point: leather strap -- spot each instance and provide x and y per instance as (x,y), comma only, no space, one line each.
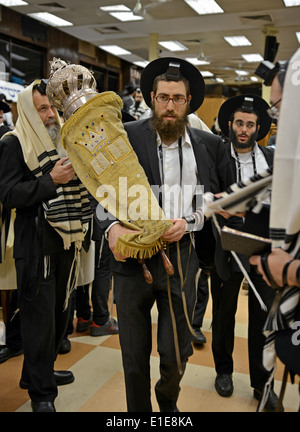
(284,272)
(264,264)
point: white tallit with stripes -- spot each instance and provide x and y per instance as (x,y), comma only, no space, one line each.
(285,207)
(70,212)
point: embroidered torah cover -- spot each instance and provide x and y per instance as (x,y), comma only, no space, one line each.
(102,156)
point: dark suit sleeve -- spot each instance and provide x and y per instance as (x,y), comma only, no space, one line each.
(18,187)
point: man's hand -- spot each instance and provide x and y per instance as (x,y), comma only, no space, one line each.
(62,172)
(176,231)
(113,234)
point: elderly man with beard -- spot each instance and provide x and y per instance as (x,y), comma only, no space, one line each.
(171,154)
(37,180)
(245,120)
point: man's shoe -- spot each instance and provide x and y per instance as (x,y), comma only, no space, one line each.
(272,400)
(199,339)
(7,353)
(224,385)
(109,328)
(65,346)
(43,407)
(61,378)
(83,324)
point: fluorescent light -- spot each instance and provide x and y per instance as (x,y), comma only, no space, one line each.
(253,78)
(142,64)
(289,3)
(219,80)
(241,72)
(206,74)
(173,46)
(195,61)
(10,3)
(252,57)
(50,19)
(204,7)
(114,49)
(298,36)
(115,8)
(237,41)
(126,16)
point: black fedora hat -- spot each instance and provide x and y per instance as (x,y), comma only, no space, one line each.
(172,65)
(4,107)
(245,101)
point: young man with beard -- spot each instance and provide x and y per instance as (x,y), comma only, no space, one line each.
(171,154)
(48,233)
(244,119)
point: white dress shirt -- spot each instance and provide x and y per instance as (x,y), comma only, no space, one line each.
(177,198)
(246,163)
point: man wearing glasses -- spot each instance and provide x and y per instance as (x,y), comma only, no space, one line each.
(245,120)
(172,154)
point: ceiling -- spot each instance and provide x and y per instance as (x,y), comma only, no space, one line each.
(203,35)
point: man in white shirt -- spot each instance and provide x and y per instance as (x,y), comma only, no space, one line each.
(176,160)
(245,120)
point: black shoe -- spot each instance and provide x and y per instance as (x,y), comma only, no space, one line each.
(61,378)
(83,324)
(7,353)
(43,407)
(65,346)
(199,339)
(272,400)
(224,385)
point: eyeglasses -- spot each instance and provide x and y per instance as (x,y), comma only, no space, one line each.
(177,100)
(273,112)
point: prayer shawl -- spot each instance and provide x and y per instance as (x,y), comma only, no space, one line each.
(285,208)
(103,158)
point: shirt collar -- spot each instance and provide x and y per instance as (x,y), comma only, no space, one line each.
(255,148)
(185,140)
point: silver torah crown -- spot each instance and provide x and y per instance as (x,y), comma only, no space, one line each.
(69,86)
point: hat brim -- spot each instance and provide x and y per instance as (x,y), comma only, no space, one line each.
(236,102)
(126,117)
(4,107)
(189,71)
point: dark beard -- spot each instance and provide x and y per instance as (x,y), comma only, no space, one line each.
(248,144)
(169,129)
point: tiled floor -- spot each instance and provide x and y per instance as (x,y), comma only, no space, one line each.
(99,386)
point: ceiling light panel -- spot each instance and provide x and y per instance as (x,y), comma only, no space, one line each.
(173,46)
(206,74)
(115,8)
(196,62)
(50,19)
(10,3)
(204,7)
(115,49)
(237,41)
(252,58)
(125,16)
(289,3)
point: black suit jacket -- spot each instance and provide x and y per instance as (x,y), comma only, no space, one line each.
(212,161)
(253,223)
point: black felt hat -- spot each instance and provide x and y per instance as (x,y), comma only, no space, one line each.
(4,106)
(245,101)
(174,67)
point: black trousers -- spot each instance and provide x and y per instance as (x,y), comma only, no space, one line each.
(225,298)
(100,290)
(135,299)
(43,324)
